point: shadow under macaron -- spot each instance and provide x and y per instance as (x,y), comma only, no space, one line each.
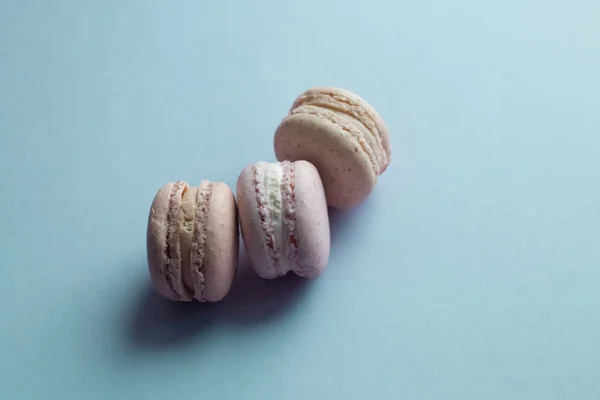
(157,323)
(254,300)
(346,225)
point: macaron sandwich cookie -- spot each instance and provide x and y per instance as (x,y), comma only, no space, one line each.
(331,147)
(283,217)
(343,136)
(192,241)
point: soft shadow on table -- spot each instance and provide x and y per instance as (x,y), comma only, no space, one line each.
(156,322)
(346,223)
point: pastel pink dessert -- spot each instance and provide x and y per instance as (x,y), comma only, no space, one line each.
(283,216)
(343,136)
(192,241)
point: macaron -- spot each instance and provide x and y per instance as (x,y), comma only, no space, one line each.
(343,136)
(192,241)
(283,217)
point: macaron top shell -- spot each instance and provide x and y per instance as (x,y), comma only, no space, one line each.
(283,216)
(192,241)
(356,110)
(343,136)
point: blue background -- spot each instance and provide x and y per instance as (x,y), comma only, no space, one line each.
(472,272)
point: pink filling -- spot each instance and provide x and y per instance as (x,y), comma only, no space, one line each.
(172,251)
(199,239)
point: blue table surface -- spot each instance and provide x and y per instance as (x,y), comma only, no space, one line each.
(472,271)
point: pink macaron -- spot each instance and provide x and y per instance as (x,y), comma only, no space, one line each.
(283,216)
(343,136)
(192,241)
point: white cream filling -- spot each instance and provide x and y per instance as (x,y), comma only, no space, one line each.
(273,179)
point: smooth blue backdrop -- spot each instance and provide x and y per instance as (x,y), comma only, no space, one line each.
(472,272)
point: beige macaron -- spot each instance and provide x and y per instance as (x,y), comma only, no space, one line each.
(340,134)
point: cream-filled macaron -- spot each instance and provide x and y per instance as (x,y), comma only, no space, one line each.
(343,136)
